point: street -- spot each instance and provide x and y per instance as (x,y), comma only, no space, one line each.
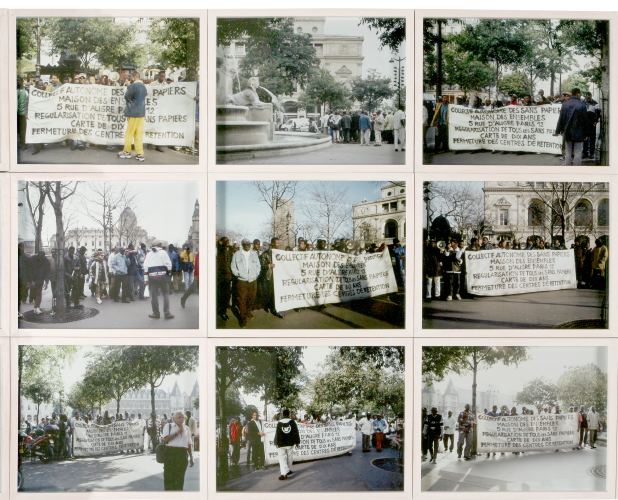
(337,154)
(567,470)
(107,473)
(56,153)
(384,311)
(485,157)
(529,310)
(356,472)
(119,315)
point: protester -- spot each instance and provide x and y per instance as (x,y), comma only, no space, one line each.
(121,272)
(255,441)
(235,433)
(195,284)
(224,277)
(39,276)
(433,429)
(157,267)
(593,115)
(135,111)
(593,425)
(573,126)
(466,433)
(98,275)
(582,420)
(187,265)
(266,274)
(245,267)
(177,436)
(365,426)
(364,125)
(378,127)
(599,262)
(399,123)
(286,437)
(450,424)
(440,120)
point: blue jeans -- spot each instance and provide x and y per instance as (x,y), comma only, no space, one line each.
(187,278)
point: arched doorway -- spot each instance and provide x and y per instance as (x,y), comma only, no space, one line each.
(390,229)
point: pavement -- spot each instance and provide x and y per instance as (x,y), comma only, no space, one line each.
(383,311)
(119,315)
(337,154)
(56,153)
(485,157)
(529,310)
(109,473)
(344,473)
(567,470)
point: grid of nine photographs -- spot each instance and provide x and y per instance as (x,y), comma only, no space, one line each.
(102,191)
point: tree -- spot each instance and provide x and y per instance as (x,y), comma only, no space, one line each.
(371,91)
(461,204)
(513,84)
(39,390)
(538,392)
(461,68)
(583,385)
(559,59)
(36,195)
(234,28)
(576,80)
(280,57)
(180,39)
(95,389)
(380,356)
(327,207)
(26,37)
(81,399)
(279,196)
(57,193)
(322,89)
(391,31)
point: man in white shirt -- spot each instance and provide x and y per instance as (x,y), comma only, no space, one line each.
(142,424)
(450,424)
(111,272)
(365,425)
(593,426)
(380,428)
(177,436)
(399,119)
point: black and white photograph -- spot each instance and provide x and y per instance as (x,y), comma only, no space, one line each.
(310,254)
(108,90)
(95,418)
(310,90)
(515,91)
(515,255)
(310,418)
(516,419)
(108,254)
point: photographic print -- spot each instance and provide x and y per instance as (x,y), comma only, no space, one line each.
(91,417)
(515,418)
(311,254)
(91,90)
(293,418)
(515,255)
(311,90)
(108,254)
(520,91)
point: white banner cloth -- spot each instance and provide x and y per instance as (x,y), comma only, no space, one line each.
(306,279)
(526,432)
(95,114)
(512,128)
(508,272)
(90,440)
(316,440)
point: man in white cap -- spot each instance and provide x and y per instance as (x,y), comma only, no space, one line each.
(157,269)
(246,267)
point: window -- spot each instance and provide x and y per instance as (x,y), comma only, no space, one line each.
(319,49)
(403,204)
(504,216)
(393,206)
(390,229)
(299,30)
(402,191)
(384,207)
(583,214)
(603,213)
(314,30)
(536,213)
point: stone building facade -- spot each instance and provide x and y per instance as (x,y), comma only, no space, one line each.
(380,221)
(455,399)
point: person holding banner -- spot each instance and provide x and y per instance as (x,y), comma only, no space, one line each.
(135,111)
(466,432)
(246,267)
(440,120)
(177,436)
(286,437)
(379,427)
(365,425)
(266,275)
(573,126)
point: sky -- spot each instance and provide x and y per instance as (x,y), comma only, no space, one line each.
(437,204)
(163,208)
(545,362)
(249,216)
(374,57)
(75,372)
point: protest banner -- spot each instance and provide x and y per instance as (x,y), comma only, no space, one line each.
(91,440)
(316,440)
(512,128)
(95,114)
(509,272)
(526,432)
(306,279)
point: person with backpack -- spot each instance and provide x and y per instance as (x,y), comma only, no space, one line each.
(286,437)
(177,436)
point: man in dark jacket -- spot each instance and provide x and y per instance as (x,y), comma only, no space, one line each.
(39,277)
(346,124)
(266,277)
(135,111)
(433,429)
(83,271)
(573,126)
(432,269)
(593,115)
(71,274)
(255,434)
(355,127)
(286,437)
(224,277)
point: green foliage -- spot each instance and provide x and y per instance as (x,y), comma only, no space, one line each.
(538,392)
(461,68)
(26,37)
(234,28)
(391,31)
(180,39)
(371,91)
(40,390)
(380,356)
(583,385)
(36,361)
(576,80)
(82,398)
(514,83)
(249,410)
(322,88)
(196,403)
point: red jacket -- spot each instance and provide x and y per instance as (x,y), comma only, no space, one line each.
(196,274)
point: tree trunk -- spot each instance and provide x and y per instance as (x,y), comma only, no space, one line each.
(474,370)
(153,416)
(604,29)
(60,292)
(552,81)
(439,62)
(224,444)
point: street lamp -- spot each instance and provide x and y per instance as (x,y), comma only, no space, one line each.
(398,61)
(287,228)
(37,28)
(427,200)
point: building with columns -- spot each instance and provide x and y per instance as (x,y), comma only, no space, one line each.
(455,399)
(380,221)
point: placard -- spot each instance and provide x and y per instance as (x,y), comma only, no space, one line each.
(91,440)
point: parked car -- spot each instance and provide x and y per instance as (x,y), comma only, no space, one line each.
(296,125)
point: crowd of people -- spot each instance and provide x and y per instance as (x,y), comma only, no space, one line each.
(577,123)
(245,273)
(439,431)
(446,265)
(362,127)
(123,274)
(135,108)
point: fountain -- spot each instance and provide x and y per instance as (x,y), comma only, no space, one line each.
(245,125)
